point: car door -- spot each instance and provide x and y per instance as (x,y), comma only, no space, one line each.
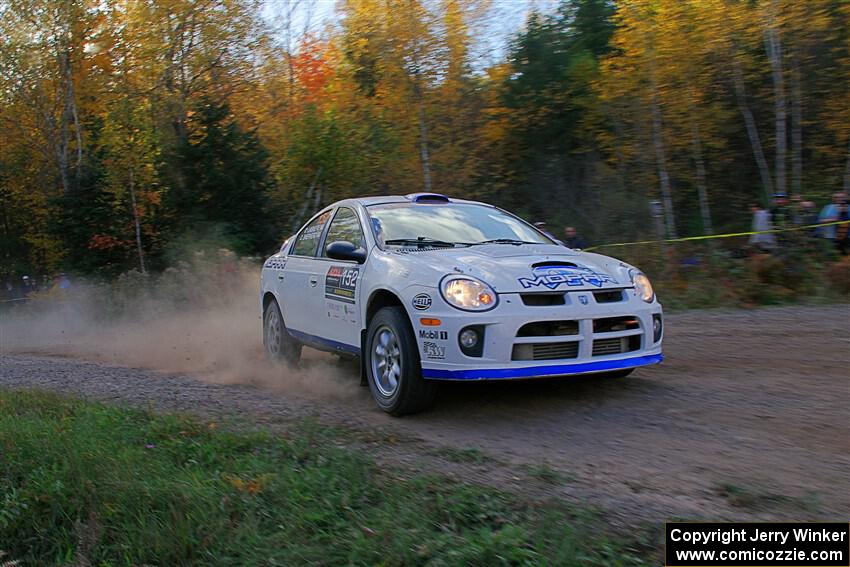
(341,305)
(301,290)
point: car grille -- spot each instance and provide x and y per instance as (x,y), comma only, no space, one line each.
(542,299)
(605,347)
(608,335)
(608,296)
(548,329)
(601,347)
(545,351)
(549,299)
(614,324)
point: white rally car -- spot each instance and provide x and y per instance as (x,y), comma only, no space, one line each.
(424,288)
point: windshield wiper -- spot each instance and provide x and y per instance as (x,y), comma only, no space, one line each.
(506,241)
(423,241)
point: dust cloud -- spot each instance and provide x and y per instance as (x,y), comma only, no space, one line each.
(201,317)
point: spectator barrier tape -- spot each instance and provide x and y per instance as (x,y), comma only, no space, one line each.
(713,236)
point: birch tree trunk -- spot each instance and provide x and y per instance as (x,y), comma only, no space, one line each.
(796,130)
(847,170)
(302,212)
(71,103)
(752,130)
(661,162)
(773,45)
(137,221)
(702,192)
(63,144)
(423,147)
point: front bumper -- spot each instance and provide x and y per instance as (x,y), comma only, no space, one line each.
(512,351)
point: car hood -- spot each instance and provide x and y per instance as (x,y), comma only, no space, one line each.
(512,268)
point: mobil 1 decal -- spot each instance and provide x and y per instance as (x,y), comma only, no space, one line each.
(434,343)
(341,283)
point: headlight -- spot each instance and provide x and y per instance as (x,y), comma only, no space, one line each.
(468,294)
(642,286)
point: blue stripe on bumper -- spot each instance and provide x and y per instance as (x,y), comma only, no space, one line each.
(541,371)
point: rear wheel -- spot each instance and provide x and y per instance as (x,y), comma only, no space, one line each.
(393,366)
(280,345)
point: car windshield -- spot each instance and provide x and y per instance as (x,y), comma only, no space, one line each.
(405,224)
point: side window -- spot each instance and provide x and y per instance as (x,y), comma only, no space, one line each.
(308,241)
(345,226)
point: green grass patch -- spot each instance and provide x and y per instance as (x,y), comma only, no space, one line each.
(85,482)
(547,473)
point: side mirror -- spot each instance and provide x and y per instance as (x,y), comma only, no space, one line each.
(343,250)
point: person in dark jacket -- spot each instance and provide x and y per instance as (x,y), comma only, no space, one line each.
(842,231)
(572,239)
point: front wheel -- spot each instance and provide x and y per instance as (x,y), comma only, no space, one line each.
(280,345)
(392,364)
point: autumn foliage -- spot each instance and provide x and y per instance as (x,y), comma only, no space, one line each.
(130,125)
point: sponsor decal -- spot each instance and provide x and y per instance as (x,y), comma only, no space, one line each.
(583,299)
(433,335)
(341,311)
(274,263)
(572,276)
(434,351)
(422,302)
(341,283)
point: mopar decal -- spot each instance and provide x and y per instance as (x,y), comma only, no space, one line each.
(341,283)
(422,302)
(554,277)
(434,351)
(434,335)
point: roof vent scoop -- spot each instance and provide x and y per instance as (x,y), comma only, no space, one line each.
(428,198)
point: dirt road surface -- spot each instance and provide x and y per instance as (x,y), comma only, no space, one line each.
(748,418)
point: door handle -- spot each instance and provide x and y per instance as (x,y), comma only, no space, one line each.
(280,277)
(314,280)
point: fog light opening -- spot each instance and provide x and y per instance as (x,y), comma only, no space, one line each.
(657,327)
(471,341)
(468,338)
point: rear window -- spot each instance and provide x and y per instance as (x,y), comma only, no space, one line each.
(308,241)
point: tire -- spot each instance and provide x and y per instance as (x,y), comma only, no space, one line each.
(616,373)
(393,368)
(279,344)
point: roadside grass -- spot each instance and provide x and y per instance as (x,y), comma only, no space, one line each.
(83,483)
(700,275)
(548,474)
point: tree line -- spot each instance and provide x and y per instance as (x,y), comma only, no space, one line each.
(133,127)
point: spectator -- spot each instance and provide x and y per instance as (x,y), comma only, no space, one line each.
(61,282)
(796,207)
(572,239)
(761,223)
(27,285)
(541,226)
(830,214)
(781,215)
(809,216)
(842,231)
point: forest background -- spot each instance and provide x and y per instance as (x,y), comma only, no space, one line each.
(131,128)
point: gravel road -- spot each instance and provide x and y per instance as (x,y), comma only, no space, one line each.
(748,418)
